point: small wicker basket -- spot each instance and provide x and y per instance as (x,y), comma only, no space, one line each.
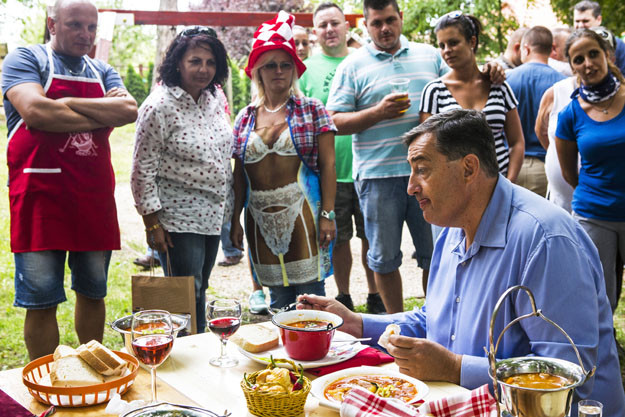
(269,404)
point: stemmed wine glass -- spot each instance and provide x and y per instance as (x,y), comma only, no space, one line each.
(152,339)
(224,318)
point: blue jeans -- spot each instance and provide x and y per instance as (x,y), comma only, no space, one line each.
(282,296)
(39,276)
(193,254)
(226,244)
(385,206)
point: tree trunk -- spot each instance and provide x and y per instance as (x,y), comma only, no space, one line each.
(164,36)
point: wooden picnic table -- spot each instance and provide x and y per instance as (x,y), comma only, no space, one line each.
(186,377)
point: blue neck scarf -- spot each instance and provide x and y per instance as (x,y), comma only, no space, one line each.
(603,91)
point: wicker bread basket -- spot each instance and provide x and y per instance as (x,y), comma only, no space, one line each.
(76,396)
(269,404)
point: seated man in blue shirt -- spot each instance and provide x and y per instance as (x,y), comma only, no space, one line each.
(496,235)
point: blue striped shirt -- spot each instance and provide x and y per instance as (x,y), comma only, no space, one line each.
(361,81)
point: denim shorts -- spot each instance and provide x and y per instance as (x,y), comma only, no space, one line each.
(385,206)
(39,276)
(346,205)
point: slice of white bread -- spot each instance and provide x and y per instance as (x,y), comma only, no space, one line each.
(63,350)
(101,358)
(72,371)
(255,338)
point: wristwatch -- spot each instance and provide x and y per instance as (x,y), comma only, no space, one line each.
(330,215)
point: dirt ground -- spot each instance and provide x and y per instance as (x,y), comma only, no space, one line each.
(235,281)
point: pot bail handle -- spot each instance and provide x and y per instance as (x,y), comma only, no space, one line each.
(492,351)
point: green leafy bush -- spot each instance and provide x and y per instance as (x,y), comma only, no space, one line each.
(135,85)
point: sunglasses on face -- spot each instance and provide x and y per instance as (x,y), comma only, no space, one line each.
(272,66)
(198,30)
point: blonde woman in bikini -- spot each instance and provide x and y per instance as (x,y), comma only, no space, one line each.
(284,172)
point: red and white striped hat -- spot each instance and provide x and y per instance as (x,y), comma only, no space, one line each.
(276,33)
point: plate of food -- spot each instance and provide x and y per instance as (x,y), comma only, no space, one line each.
(332,388)
(259,342)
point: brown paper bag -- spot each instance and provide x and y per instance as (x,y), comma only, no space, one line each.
(173,294)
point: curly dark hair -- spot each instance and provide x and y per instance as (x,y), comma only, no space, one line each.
(168,71)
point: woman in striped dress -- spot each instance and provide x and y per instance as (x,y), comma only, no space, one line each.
(465,87)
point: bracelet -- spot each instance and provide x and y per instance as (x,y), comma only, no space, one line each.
(153,227)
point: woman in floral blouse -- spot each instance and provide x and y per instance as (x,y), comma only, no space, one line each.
(181,172)
(284,144)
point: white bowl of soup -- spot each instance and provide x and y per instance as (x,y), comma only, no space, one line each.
(307,334)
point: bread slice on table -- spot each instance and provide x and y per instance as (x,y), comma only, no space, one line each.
(255,338)
(101,358)
(72,371)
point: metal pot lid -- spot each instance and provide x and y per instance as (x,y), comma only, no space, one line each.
(173,410)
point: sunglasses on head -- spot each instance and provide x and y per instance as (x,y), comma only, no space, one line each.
(272,66)
(606,35)
(448,16)
(453,15)
(199,30)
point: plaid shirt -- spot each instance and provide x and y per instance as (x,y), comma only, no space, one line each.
(307,119)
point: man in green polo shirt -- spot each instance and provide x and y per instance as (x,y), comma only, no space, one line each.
(331,28)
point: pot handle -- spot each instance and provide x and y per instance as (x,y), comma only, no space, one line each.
(535,313)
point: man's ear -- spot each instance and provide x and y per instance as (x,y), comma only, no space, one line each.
(50,24)
(470,167)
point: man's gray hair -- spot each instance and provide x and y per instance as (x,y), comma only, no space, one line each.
(459,133)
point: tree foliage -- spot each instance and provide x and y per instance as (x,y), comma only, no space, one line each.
(135,85)
(240,88)
(238,39)
(612,12)
(33,23)
(420,20)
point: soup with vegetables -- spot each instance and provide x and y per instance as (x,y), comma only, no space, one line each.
(538,380)
(381,385)
(309,324)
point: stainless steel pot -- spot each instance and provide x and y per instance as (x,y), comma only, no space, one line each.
(122,326)
(532,402)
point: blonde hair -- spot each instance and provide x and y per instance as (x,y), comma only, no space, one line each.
(256,79)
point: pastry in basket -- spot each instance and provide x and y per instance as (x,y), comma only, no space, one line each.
(90,364)
(276,391)
(255,338)
(391,329)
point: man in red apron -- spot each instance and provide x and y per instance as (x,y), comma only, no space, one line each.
(61,107)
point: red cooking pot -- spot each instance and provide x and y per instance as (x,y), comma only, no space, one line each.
(309,343)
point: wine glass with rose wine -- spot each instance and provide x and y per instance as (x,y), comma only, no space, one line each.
(152,339)
(224,318)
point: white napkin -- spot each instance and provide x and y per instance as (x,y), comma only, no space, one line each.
(120,407)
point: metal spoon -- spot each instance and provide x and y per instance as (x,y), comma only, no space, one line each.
(352,341)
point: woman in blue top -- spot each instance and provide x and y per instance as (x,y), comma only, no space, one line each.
(593,124)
